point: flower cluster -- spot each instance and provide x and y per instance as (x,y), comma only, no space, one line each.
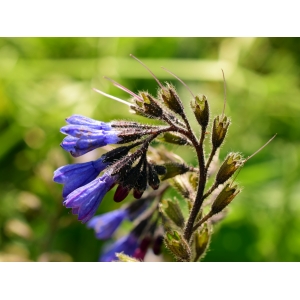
(83,190)
(135,166)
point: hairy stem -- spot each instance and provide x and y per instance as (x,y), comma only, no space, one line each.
(204,219)
(212,154)
(201,185)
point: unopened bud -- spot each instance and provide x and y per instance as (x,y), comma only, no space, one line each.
(178,246)
(173,211)
(115,154)
(201,242)
(174,138)
(157,244)
(224,198)
(219,130)
(121,193)
(161,170)
(201,110)
(141,251)
(174,169)
(171,99)
(153,178)
(231,163)
(182,185)
(141,182)
(151,107)
(130,179)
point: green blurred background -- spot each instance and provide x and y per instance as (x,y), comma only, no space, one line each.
(44,80)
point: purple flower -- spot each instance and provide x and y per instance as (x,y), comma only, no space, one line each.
(85,134)
(82,120)
(127,244)
(85,200)
(105,225)
(77,175)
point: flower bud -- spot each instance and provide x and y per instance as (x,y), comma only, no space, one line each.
(151,107)
(130,179)
(178,246)
(171,99)
(141,182)
(173,211)
(201,242)
(115,154)
(231,163)
(201,110)
(161,170)
(224,198)
(141,251)
(157,243)
(174,138)
(174,169)
(153,178)
(182,185)
(121,193)
(219,130)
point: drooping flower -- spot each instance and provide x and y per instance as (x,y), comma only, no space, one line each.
(82,120)
(105,225)
(76,175)
(127,244)
(85,200)
(142,249)
(85,134)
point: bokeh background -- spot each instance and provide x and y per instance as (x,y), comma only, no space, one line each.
(44,80)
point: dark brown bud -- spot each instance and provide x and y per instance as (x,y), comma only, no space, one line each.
(157,244)
(115,154)
(151,107)
(161,170)
(153,178)
(141,182)
(121,193)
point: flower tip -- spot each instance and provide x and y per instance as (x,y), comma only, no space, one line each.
(56,178)
(138,194)
(74,154)
(121,193)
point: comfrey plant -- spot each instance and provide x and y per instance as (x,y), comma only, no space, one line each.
(137,167)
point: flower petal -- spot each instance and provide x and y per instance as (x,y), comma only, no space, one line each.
(105,225)
(88,197)
(127,244)
(77,175)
